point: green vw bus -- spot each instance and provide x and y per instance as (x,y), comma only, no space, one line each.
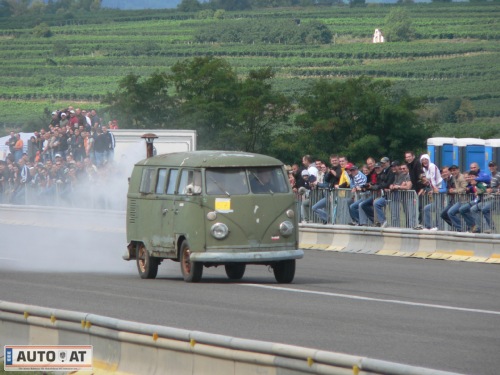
(212,208)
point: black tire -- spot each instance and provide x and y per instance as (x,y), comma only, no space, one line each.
(284,271)
(235,271)
(146,264)
(191,271)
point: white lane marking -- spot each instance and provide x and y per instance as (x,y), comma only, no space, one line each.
(351,296)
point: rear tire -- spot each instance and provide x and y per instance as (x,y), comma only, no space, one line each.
(146,264)
(191,271)
(284,271)
(235,271)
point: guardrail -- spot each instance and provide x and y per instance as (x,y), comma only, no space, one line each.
(139,348)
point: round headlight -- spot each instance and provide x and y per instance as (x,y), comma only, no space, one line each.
(212,215)
(286,228)
(219,231)
(290,214)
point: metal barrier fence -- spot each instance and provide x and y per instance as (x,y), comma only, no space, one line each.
(402,209)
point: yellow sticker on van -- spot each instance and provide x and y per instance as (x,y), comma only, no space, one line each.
(223,205)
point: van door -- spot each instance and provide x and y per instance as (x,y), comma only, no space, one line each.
(188,211)
(156,223)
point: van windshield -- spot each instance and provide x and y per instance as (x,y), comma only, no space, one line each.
(240,181)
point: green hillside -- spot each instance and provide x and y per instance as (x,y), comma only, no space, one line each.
(455,52)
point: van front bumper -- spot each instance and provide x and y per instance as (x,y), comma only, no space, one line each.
(246,257)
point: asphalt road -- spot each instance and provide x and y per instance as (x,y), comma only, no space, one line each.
(438,314)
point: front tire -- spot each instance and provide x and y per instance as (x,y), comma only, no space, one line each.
(284,271)
(146,264)
(235,271)
(191,271)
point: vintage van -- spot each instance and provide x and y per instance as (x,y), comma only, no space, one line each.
(212,208)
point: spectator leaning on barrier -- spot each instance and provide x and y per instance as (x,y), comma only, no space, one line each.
(372,172)
(386,178)
(345,177)
(478,182)
(435,201)
(455,185)
(402,184)
(330,179)
(305,186)
(307,161)
(414,169)
(366,212)
(483,208)
(358,182)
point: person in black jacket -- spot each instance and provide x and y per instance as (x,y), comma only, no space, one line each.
(386,179)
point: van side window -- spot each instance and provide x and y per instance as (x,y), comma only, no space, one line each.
(172,179)
(162,178)
(148,175)
(190,183)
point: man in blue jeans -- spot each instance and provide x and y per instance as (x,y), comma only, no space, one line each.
(359,181)
(475,177)
(455,185)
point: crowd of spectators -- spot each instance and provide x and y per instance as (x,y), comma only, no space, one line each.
(63,163)
(464,201)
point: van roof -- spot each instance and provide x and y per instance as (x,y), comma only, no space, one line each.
(199,159)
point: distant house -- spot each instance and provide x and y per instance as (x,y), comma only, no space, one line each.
(378,37)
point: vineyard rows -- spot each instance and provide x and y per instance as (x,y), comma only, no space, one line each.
(456,53)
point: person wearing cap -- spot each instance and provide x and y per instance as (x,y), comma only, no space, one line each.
(73,119)
(358,183)
(455,189)
(64,120)
(54,121)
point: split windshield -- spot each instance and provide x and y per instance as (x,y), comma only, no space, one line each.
(240,181)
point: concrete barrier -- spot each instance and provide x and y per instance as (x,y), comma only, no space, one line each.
(402,242)
(135,348)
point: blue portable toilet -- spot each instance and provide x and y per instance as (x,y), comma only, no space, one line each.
(472,150)
(443,151)
(492,150)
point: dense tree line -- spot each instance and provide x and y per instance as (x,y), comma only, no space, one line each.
(238,5)
(250,31)
(356,117)
(15,8)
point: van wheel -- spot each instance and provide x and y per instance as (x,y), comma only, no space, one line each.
(191,271)
(146,264)
(284,271)
(235,271)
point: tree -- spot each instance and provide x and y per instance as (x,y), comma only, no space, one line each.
(358,117)
(42,31)
(228,113)
(398,25)
(143,103)
(189,6)
(260,108)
